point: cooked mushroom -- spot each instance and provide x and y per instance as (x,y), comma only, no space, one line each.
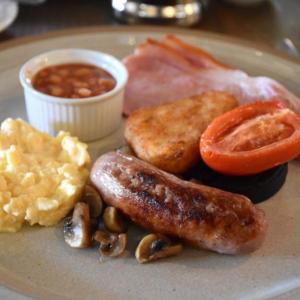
(113,220)
(93,199)
(155,246)
(77,227)
(111,244)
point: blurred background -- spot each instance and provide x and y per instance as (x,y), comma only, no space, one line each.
(275,23)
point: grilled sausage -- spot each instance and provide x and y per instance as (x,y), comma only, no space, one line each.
(202,216)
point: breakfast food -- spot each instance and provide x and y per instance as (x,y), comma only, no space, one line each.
(196,56)
(73,80)
(41,177)
(82,229)
(156,246)
(184,90)
(113,221)
(257,187)
(167,70)
(251,138)
(111,244)
(79,227)
(167,135)
(89,118)
(202,216)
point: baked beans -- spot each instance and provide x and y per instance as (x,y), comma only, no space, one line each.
(74,80)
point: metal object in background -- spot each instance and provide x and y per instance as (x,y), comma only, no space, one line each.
(181,12)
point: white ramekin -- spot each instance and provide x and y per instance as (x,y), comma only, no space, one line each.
(87,118)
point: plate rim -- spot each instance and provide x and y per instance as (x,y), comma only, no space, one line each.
(259,46)
(16,42)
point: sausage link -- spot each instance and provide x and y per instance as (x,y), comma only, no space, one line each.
(203,216)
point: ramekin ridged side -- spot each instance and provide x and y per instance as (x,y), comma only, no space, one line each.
(87,118)
(88,122)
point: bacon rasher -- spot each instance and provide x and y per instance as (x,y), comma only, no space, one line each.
(167,70)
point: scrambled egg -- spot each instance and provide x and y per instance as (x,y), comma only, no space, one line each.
(41,177)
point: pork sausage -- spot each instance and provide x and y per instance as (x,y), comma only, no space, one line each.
(203,216)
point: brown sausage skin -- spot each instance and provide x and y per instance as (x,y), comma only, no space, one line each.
(202,216)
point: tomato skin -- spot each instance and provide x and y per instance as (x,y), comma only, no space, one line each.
(246,162)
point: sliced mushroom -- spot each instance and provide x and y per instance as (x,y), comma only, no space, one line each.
(77,227)
(155,246)
(111,244)
(113,220)
(94,225)
(94,200)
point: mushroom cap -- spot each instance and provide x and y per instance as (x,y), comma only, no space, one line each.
(113,220)
(111,244)
(92,197)
(155,246)
(77,227)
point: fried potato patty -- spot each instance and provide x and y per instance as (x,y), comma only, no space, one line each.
(167,135)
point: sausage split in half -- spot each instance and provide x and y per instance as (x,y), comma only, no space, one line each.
(202,216)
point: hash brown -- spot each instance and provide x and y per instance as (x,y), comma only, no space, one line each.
(167,135)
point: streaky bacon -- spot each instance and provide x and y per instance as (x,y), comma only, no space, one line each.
(161,72)
(196,56)
(165,53)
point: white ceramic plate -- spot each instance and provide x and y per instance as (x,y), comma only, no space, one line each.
(37,262)
(8,12)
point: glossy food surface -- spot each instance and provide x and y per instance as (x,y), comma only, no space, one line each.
(158,201)
(74,80)
(251,138)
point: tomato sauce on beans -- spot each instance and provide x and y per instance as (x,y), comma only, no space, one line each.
(73,80)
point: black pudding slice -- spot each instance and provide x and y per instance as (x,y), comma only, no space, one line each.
(258,187)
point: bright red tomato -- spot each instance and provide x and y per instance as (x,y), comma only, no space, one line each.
(251,138)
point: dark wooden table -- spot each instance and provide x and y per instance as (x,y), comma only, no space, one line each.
(275,22)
